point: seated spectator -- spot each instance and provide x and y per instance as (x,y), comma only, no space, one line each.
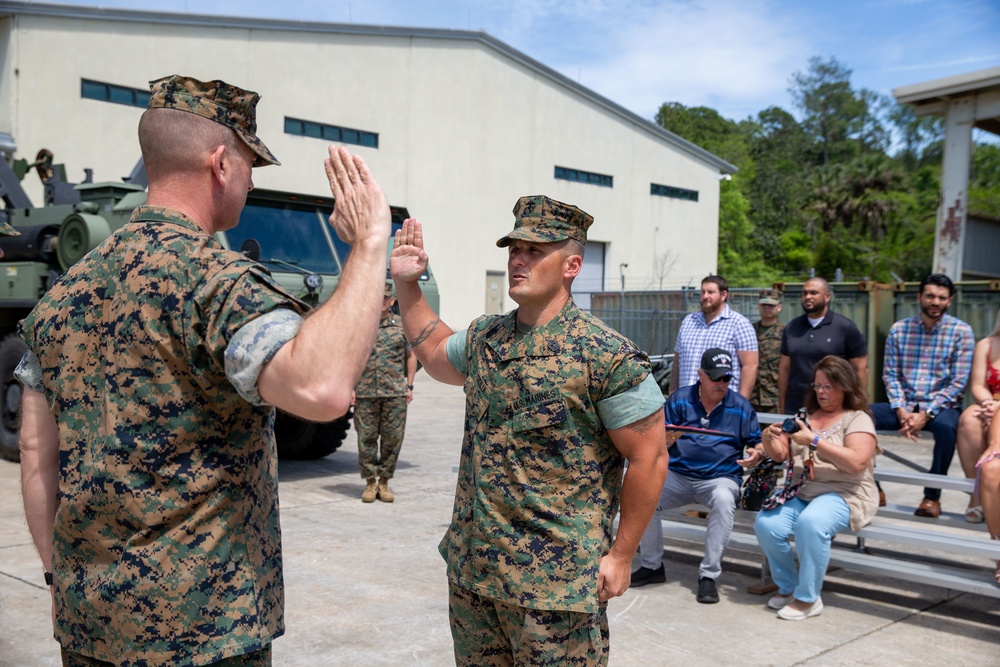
(926,368)
(704,468)
(837,441)
(988,485)
(974,424)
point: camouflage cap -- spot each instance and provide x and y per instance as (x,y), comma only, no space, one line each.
(543,220)
(215,100)
(7,230)
(769,297)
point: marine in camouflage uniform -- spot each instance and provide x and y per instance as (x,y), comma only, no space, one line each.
(381,398)
(540,479)
(764,397)
(142,403)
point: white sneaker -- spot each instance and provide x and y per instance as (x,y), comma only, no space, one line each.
(789,614)
(779,601)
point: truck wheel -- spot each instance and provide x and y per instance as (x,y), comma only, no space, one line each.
(12,348)
(300,440)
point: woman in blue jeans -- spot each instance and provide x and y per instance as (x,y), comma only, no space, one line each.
(837,443)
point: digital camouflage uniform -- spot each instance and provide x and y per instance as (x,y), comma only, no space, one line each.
(380,405)
(539,478)
(764,397)
(167,545)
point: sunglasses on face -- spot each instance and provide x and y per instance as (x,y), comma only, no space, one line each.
(725,378)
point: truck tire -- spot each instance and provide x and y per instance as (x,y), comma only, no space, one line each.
(300,440)
(12,348)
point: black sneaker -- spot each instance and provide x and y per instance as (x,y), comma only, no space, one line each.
(644,576)
(707,594)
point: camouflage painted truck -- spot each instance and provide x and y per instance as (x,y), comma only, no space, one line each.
(286,232)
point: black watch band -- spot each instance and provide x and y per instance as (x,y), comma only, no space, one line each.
(48,578)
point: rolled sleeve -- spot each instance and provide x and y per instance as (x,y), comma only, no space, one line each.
(631,405)
(29,371)
(254,345)
(455,348)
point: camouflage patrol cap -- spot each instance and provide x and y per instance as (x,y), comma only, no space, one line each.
(217,101)
(769,297)
(543,220)
(7,230)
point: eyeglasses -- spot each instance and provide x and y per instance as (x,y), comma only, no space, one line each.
(725,378)
(821,387)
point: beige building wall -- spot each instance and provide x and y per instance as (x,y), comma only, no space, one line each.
(464,128)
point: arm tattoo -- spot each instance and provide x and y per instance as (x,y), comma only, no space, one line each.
(425,333)
(648,423)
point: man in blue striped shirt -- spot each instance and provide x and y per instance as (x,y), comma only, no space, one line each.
(926,369)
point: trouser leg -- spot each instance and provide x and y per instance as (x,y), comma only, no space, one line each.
(720,496)
(366,422)
(392,429)
(944,426)
(821,519)
(676,492)
(773,529)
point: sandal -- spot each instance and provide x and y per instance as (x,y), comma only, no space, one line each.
(997,576)
(974,514)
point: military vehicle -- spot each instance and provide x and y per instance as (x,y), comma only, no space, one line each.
(286,232)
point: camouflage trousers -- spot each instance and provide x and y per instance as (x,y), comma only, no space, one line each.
(375,420)
(260,658)
(492,633)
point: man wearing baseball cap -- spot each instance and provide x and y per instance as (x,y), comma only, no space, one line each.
(555,403)
(704,468)
(150,486)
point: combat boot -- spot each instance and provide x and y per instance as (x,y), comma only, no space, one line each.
(384,494)
(370,492)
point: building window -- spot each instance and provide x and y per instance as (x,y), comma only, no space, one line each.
(566,174)
(672,192)
(109,92)
(344,135)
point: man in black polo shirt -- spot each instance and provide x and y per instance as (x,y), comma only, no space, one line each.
(812,336)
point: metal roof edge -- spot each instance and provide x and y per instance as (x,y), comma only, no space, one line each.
(141,16)
(958,84)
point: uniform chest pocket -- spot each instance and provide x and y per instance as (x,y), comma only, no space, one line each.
(548,414)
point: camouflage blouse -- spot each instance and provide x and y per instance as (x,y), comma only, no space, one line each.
(539,479)
(385,373)
(167,548)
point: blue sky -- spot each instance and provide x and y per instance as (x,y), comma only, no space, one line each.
(735,56)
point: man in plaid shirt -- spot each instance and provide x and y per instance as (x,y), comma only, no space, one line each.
(926,369)
(715,325)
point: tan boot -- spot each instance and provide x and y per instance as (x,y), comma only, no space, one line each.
(384,494)
(370,492)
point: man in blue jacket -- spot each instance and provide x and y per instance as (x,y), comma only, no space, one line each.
(704,468)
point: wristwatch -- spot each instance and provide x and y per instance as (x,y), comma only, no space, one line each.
(48,578)
(814,444)
(410,387)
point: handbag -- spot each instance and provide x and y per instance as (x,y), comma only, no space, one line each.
(790,489)
(759,484)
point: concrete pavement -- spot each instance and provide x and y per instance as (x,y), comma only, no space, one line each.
(366,586)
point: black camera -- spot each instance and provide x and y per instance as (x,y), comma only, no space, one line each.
(791,426)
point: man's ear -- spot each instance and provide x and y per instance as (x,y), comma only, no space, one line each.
(573,266)
(218,162)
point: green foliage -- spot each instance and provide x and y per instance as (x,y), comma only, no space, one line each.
(853,183)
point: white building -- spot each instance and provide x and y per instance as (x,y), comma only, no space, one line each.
(455,125)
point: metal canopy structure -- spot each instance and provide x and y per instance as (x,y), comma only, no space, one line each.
(966,101)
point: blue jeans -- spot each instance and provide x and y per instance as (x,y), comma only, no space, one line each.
(814,524)
(944,427)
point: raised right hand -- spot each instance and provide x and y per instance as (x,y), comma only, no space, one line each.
(408,260)
(360,211)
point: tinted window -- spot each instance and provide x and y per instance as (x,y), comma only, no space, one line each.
(291,237)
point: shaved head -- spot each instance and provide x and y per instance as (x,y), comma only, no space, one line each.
(174,142)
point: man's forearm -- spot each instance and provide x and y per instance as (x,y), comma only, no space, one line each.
(641,488)
(426,333)
(39,447)
(313,375)
(748,377)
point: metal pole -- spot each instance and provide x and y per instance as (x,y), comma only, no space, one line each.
(621,313)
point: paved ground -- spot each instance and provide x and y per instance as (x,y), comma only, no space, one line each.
(365,585)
